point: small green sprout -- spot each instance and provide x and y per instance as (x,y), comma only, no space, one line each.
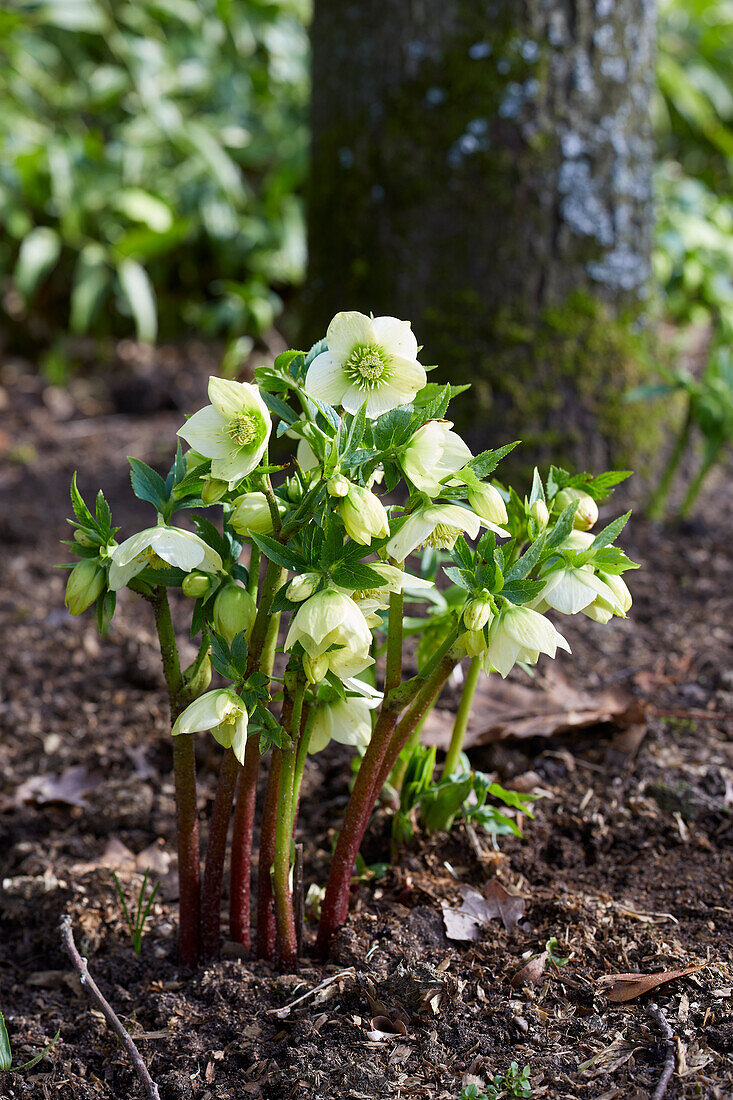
(552,948)
(509,1084)
(6,1058)
(137,926)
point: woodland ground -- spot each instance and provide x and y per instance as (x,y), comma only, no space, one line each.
(628,862)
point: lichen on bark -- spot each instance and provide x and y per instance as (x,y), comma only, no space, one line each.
(482,168)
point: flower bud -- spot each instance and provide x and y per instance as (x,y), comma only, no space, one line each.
(86,582)
(540,514)
(213,490)
(477,613)
(302,586)
(338,485)
(315,668)
(488,503)
(84,539)
(196,584)
(197,680)
(252,515)
(363,515)
(587,511)
(234,612)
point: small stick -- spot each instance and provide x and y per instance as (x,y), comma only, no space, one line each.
(655,1013)
(298,896)
(80,965)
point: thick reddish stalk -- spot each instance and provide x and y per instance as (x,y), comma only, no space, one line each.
(241,859)
(215,855)
(266,933)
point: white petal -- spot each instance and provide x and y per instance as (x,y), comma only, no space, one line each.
(205,712)
(567,593)
(326,379)
(237,463)
(305,456)
(183,549)
(454,516)
(348,331)
(370,694)
(119,575)
(352,724)
(395,336)
(502,653)
(456,453)
(414,530)
(239,737)
(321,730)
(228,397)
(408,377)
(205,431)
(530,629)
(353,398)
(130,548)
(346,662)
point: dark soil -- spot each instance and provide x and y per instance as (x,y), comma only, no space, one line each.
(627,862)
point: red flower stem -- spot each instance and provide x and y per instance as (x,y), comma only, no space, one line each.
(241,865)
(372,775)
(215,855)
(184,772)
(266,932)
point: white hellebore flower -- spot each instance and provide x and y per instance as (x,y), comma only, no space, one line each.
(222,712)
(363,515)
(347,721)
(519,634)
(571,590)
(602,609)
(331,618)
(372,359)
(157,548)
(437,525)
(488,503)
(432,454)
(232,431)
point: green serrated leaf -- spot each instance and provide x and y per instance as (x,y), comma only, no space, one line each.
(147,484)
(610,533)
(281,555)
(485,463)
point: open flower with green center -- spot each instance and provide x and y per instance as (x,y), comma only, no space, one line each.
(334,634)
(222,712)
(436,525)
(372,359)
(232,431)
(158,548)
(519,634)
(433,453)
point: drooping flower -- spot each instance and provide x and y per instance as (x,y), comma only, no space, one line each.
(347,721)
(234,612)
(372,359)
(85,584)
(363,515)
(488,503)
(232,431)
(520,634)
(332,619)
(437,525)
(602,609)
(222,712)
(432,454)
(157,548)
(571,590)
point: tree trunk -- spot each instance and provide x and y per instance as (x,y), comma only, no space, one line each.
(484,170)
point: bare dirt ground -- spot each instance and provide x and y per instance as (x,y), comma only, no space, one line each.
(628,862)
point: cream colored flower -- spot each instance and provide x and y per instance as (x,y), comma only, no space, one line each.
(329,625)
(437,525)
(519,634)
(348,721)
(222,712)
(363,515)
(433,453)
(372,359)
(570,590)
(157,548)
(232,431)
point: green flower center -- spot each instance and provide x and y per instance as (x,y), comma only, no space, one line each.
(152,560)
(367,366)
(242,429)
(443,537)
(230,718)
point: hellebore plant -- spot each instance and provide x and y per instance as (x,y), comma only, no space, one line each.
(322,540)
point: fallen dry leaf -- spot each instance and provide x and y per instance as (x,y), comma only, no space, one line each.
(69,788)
(469,921)
(626,987)
(531,973)
(502,904)
(508,709)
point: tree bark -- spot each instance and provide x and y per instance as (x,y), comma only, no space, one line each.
(484,170)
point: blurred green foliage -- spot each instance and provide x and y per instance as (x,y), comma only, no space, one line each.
(152,151)
(694,122)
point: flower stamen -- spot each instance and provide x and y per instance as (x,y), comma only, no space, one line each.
(242,429)
(443,537)
(367,366)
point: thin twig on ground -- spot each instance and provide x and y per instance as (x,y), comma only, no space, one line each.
(80,965)
(655,1013)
